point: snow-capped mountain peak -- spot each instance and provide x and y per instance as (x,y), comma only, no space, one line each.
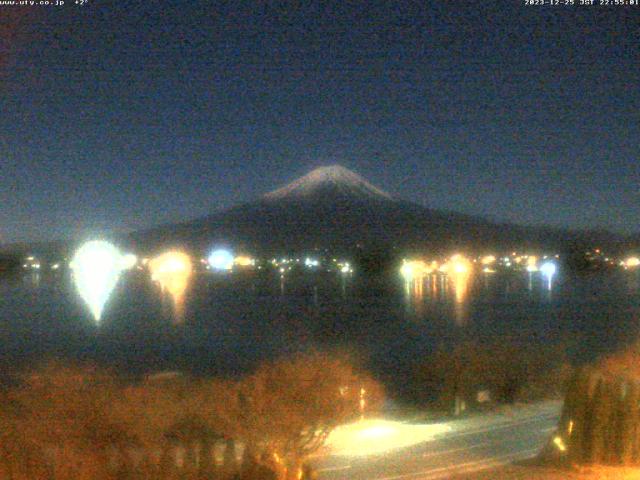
(336,177)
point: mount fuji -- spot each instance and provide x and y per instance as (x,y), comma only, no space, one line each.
(333,180)
(336,209)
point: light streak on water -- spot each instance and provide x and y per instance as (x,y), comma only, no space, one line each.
(96,269)
(172,271)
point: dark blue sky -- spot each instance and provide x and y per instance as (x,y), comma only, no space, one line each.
(120,114)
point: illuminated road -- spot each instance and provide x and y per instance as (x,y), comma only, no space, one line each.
(455,447)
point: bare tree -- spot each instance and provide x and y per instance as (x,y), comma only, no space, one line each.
(158,412)
(61,418)
(64,422)
(287,408)
(511,371)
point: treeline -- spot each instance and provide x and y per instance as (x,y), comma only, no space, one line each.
(498,371)
(600,421)
(70,422)
(9,263)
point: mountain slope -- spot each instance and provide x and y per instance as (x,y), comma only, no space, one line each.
(333,178)
(334,208)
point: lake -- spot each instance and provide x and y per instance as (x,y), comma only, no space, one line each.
(228,324)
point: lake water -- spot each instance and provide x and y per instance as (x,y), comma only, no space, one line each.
(227,324)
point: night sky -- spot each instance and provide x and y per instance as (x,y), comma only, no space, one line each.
(121,115)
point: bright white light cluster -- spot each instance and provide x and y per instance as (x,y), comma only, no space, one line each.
(311,262)
(548,269)
(96,269)
(345,268)
(221,260)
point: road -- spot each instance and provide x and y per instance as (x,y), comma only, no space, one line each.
(388,450)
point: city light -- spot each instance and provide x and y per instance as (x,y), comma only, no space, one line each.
(407,271)
(632,262)
(548,269)
(412,269)
(488,260)
(346,269)
(557,441)
(96,269)
(311,262)
(460,267)
(221,259)
(459,264)
(244,261)
(32,263)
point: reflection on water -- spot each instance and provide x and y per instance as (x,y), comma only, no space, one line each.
(32,279)
(96,267)
(312,287)
(414,295)
(447,283)
(460,281)
(172,271)
(455,285)
(236,321)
